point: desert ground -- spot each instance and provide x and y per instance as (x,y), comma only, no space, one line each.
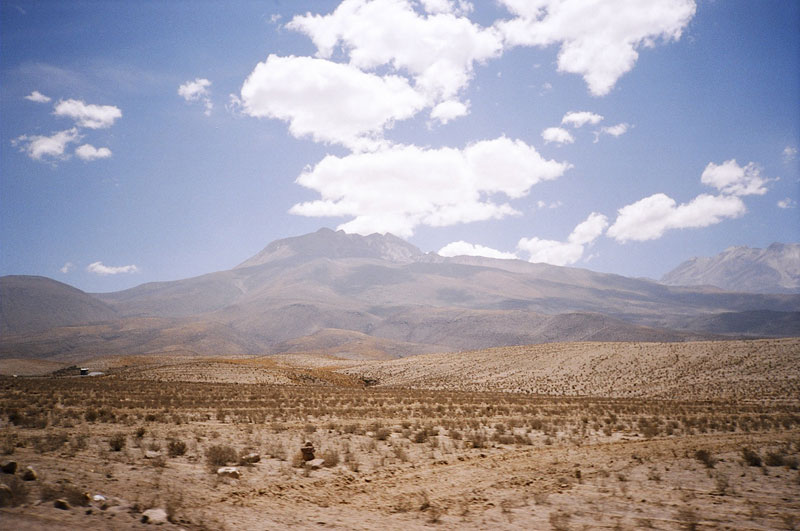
(557,436)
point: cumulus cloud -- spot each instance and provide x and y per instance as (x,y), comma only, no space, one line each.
(197,90)
(330,102)
(462,248)
(616,130)
(89,152)
(401,187)
(37,97)
(449,110)
(730,178)
(88,115)
(651,217)
(558,135)
(787,203)
(438,51)
(599,42)
(99,269)
(581,118)
(565,253)
(40,147)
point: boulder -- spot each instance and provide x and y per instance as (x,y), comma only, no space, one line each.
(6,495)
(9,468)
(62,504)
(154,516)
(152,454)
(229,472)
(29,474)
(251,458)
(315,464)
(308,451)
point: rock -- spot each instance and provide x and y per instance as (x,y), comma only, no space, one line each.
(315,464)
(9,468)
(308,451)
(62,504)
(6,495)
(152,454)
(249,459)
(29,474)
(229,472)
(99,498)
(154,516)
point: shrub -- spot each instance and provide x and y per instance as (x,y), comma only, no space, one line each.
(221,455)
(117,442)
(331,458)
(750,457)
(176,447)
(774,459)
(17,492)
(67,491)
(705,457)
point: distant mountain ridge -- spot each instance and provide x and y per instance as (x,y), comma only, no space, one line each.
(373,296)
(775,269)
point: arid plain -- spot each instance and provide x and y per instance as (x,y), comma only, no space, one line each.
(702,435)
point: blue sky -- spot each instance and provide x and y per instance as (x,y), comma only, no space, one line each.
(147,141)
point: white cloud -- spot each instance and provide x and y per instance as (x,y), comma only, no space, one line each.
(789,153)
(616,130)
(91,116)
(37,96)
(651,217)
(462,248)
(598,40)
(787,203)
(99,269)
(38,147)
(558,135)
(401,187)
(449,110)
(328,101)
(197,90)
(438,51)
(67,267)
(730,178)
(89,152)
(459,7)
(565,253)
(581,118)
(543,204)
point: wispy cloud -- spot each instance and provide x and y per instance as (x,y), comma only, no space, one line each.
(52,147)
(462,248)
(67,267)
(99,269)
(197,90)
(787,202)
(37,97)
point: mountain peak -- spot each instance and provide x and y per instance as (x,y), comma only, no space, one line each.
(327,243)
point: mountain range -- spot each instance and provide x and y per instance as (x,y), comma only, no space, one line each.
(372,296)
(775,269)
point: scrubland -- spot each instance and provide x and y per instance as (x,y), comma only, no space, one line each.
(459,453)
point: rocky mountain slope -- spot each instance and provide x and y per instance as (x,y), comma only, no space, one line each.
(775,269)
(378,296)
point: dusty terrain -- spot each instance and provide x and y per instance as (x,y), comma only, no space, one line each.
(583,436)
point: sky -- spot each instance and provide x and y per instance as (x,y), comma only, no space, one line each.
(159,140)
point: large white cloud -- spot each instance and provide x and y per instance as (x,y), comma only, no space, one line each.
(98,268)
(565,253)
(197,90)
(88,115)
(651,217)
(39,147)
(438,51)
(597,39)
(328,101)
(89,152)
(730,178)
(399,188)
(462,248)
